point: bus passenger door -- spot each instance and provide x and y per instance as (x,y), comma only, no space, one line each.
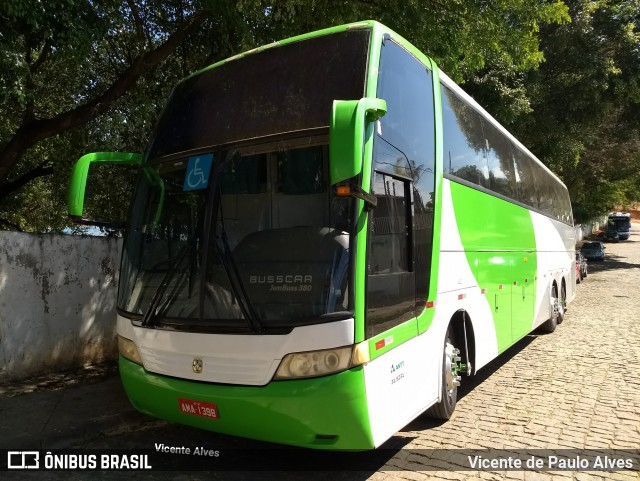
(495,278)
(402,376)
(393,378)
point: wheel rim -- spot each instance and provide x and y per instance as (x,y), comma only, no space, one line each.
(451,369)
(555,304)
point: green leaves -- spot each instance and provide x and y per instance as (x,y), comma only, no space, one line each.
(564,76)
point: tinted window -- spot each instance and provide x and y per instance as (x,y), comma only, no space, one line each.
(245,175)
(289,249)
(300,171)
(390,282)
(282,89)
(390,249)
(545,190)
(405,145)
(463,143)
(526,179)
(500,161)
(404,158)
(477,151)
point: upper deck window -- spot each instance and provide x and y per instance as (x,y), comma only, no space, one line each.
(282,89)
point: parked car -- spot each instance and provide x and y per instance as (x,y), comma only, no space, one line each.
(611,235)
(581,267)
(593,250)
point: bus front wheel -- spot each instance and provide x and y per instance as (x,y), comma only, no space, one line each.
(451,367)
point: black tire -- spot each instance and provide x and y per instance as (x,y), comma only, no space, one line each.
(550,325)
(448,394)
(563,304)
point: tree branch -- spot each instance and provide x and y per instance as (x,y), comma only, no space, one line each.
(34,130)
(9,188)
(138,22)
(46,50)
(11,225)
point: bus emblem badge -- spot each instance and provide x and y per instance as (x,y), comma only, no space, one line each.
(197,365)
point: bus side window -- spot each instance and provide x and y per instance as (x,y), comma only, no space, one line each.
(404,160)
(390,247)
(390,282)
(499,161)
(527,190)
(464,141)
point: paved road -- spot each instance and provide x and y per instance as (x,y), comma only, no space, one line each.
(578,388)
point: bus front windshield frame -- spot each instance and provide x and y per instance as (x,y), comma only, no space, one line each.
(264,245)
(279,255)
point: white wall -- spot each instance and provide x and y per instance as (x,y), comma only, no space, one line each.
(57,302)
(585,230)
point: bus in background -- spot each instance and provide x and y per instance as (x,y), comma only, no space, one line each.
(620,222)
(326,235)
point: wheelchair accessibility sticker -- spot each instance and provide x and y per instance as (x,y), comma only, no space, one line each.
(198,170)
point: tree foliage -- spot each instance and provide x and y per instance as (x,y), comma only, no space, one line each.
(81,76)
(587,104)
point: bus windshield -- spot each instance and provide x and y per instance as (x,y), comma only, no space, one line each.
(267,232)
(234,224)
(619,223)
(279,90)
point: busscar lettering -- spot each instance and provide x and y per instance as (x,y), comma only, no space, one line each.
(282,279)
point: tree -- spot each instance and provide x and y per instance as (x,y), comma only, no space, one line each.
(582,110)
(67,64)
(93,75)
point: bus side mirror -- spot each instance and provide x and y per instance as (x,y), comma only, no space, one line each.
(78,183)
(349,120)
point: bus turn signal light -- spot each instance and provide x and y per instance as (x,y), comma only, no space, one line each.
(343,190)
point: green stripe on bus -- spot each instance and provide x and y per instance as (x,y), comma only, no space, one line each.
(502,257)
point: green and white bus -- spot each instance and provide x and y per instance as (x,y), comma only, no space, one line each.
(326,235)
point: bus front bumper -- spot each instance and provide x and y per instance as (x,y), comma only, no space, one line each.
(324,413)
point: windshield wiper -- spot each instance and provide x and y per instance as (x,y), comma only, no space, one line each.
(155,308)
(224,254)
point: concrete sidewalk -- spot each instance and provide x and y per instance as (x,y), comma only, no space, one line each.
(67,417)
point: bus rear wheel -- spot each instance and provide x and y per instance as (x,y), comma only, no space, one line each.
(562,309)
(557,311)
(451,367)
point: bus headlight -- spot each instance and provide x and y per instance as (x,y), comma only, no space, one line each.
(129,350)
(314,363)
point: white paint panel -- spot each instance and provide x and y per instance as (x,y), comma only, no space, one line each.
(556,257)
(401,384)
(229,358)
(455,274)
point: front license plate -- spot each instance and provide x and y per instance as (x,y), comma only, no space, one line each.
(198,408)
